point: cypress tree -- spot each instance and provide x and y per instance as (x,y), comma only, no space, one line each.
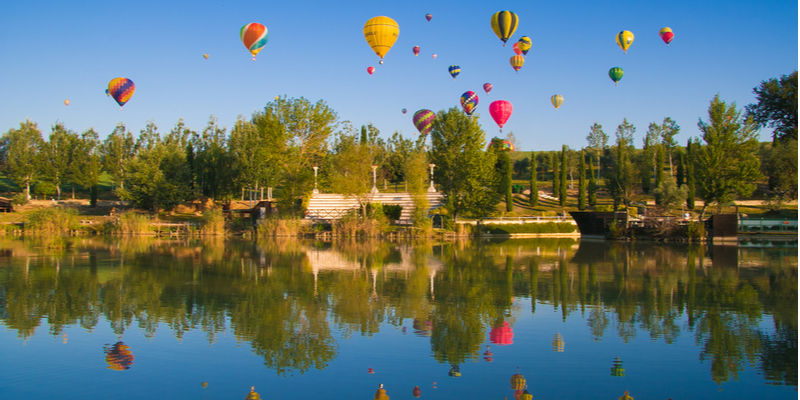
(534,197)
(680,174)
(509,186)
(690,176)
(592,186)
(554,166)
(562,188)
(582,182)
(659,170)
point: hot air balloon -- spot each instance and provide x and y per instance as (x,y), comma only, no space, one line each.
(469,100)
(487,87)
(370,70)
(380,394)
(487,355)
(500,111)
(416,392)
(524,45)
(504,23)
(66,102)
(516,48)
(423,120)
(205,56)
(253,395)
(455,371)
(433,55)
(502,335)
(428,17)
(558,343)
(118,357)
(454,71)
(107,93)
(615,74)
(416,51)
(624,40)
(666,35)
(503,145)
(121,89)
(526,395)
(254,36)
(381,33)
(517,62)
(404,111)
(517,381)
(557,99)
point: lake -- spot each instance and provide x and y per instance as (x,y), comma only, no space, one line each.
(143,317)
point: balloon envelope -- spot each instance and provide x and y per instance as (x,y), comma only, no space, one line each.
(433,55)
(504,23)
(469,100)
(404,111)
(66,102)
(121,89)
(487,87)
(516,48)
(624,40)
(502,334)
(370,70)
(381,33)
(454,71)
(205,56)
(615,74)
(557,99)
(254,36)
(525,45)
(416,51)
(666,35)
(517,62)
(423,120)
(500,110)
(428,17)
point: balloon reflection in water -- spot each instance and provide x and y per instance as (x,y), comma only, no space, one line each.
(616,368)
(517,381)
(118,356)
(455,371)
(625,396)
(558,343)
(416,392)
(487,355)
(422,328)
(502,335)
(253,395)
(381,393)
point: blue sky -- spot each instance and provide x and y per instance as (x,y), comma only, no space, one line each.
(51,51)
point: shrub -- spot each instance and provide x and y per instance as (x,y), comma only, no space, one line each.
(695,230)
(20,199)
(604,208)
(133,222)
(213,222)
(274,226)
(547,227)
(392,211)
(52,220)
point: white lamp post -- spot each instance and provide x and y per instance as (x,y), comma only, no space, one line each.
(315,191)
(431,189)
(374,179)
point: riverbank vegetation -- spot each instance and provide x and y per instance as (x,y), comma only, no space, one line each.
(293,147)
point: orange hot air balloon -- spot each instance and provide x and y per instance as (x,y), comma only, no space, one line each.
(370,70)
(118,357)
(66,102)
(516,48)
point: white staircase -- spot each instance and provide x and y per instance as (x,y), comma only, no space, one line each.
(331,206)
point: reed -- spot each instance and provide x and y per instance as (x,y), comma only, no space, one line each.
(133,222)
(52,220)
(213,222)
(273,226)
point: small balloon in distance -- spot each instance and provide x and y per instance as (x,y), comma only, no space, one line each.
(66,102)
(205,56)
(370,70)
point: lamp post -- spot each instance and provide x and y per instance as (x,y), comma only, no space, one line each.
(374,179)
(431,189)
(315,191)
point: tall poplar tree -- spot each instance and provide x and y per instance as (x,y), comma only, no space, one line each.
(582,181)
(534,197)
(691,190)
(592,186)
(562,187)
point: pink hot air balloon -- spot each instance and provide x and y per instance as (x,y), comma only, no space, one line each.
(487,87)
(428,17)
(370,70)
(500,111)
(433,55)
(416,51)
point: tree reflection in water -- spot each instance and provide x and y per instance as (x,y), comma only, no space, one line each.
(287,297)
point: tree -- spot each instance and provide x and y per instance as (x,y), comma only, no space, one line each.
(399,151)
(115,152)
(726,165)
(464,171)
(556,175)
(777,106)
(522,166)
(20,154)
(351,167)
(659,170)
(782,165)
(598,141)
(157,176)
(623,181)
(503,169)
(582,182)
(86,167)
(592,186)
(534,197)
(562,187)
(691,188)
(668,194)
(213,166)
(57,155)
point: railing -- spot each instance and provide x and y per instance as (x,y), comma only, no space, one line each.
(767,225)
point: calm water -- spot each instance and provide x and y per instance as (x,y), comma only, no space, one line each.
(141,318)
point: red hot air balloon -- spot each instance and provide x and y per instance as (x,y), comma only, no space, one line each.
(423,120)
(666,35)
(370,70)
(487,87)
(500,111)
(416,51)
(516,49)
(428,17)
(416,392)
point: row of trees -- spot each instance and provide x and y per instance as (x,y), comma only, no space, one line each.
(286,143)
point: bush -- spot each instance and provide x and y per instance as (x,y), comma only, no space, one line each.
(392,211)
(604,208)
(213,222)
(274,226)
(547,227)
(20,199)
(133,222)
(52,220)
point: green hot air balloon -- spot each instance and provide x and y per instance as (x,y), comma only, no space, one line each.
(615,74)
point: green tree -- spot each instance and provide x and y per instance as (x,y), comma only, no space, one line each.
(691,188)
(582,181)
(464,171)
(659,170)
(534,196)
(157,177)
(782,165)
(57,156)
(622,184)
(777,106)
(415,170)
(115,152)
(680,175)
(592,186)
(85,168)
(21,154)
(562,182)
(503,169)
(351,167)
(598,141)
(212,168)
(726,163)
(399,150)
(556,174)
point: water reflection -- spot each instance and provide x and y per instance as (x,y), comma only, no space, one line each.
(291,300)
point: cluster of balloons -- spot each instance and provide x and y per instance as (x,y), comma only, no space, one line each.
(624,41)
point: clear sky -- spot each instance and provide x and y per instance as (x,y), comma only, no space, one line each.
(56,50)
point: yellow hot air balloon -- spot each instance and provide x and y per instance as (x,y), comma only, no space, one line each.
(624,40)
(66,102)
(504,23)
(381,33)
(557,99)
(517,62)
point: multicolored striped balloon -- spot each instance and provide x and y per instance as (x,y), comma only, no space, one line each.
(423,120)
(557,100)
(517,62)
(666,35)
(254,36)
(469,100)
(525,45)
(454,71)
(487,87)
(504,23)
(121,89)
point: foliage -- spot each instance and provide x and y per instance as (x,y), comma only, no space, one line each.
(691,188)
(464,172)
(350,167)
(726,165)
(20,199)
(622,183)
(562,183)
(598,141)
(545,227)
(134,222)
(592,187)
(274,226)
(669,195)
(115,152)
(20,153)
(776,106)
(53,220)
(534,196)
(213,222)
(582,182)
(782,170)
(392,211)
